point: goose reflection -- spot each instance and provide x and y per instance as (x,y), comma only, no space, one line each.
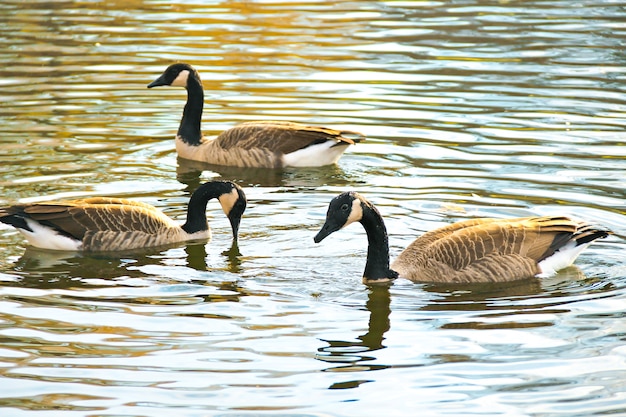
(40,268)
(490,300)
(189,173)
(353,352)
(483,296)
(197,257)
(470,296)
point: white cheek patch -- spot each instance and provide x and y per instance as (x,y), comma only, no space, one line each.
(181,79)
(356,214)
(228,200)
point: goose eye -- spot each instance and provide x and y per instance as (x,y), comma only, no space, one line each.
(344,207)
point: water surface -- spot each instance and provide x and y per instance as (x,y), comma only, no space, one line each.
(471,109)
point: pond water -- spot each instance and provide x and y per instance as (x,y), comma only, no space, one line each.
(471,108)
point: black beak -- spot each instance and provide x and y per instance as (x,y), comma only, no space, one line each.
(158,82)
(236,213)
(234,224)
(235,220)
(326,230)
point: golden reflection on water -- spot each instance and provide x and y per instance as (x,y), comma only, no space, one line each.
(470,109)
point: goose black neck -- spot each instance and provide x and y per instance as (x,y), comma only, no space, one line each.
(189,129)
(196,211)
(377,265)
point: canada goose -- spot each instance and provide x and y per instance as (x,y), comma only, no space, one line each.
(267,144)
(477,250)
(114,224)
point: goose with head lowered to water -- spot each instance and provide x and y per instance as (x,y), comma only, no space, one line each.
(102,224)
(262,144)
(476,250)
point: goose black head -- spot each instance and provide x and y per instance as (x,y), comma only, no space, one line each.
(175,75)
(344,209)
(234,204)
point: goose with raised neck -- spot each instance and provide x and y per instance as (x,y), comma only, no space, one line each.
(259,144)
(476,250)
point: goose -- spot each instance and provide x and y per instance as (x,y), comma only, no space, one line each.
(260,144)
(113,224)
(476,250)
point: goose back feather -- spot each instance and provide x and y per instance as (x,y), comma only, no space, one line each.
(477,250)
(112,224)
(260,144)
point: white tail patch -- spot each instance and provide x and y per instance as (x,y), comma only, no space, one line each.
(46,238)
(315,155)
(562,258)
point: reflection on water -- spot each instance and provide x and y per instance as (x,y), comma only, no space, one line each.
(43,268)
(491,301)
(190,173)
(470,109)
(378,304)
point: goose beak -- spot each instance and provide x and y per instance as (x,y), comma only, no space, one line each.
(233,201)
(326,230)
(235,215)
(234,224)
(158,82)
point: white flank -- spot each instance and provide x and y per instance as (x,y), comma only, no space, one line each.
(315,155)
(46,238)
(562,258)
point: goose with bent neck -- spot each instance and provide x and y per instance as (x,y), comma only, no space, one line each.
(101,224)
(260,144)
(476,250)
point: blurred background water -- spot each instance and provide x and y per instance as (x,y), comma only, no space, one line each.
(471,108)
